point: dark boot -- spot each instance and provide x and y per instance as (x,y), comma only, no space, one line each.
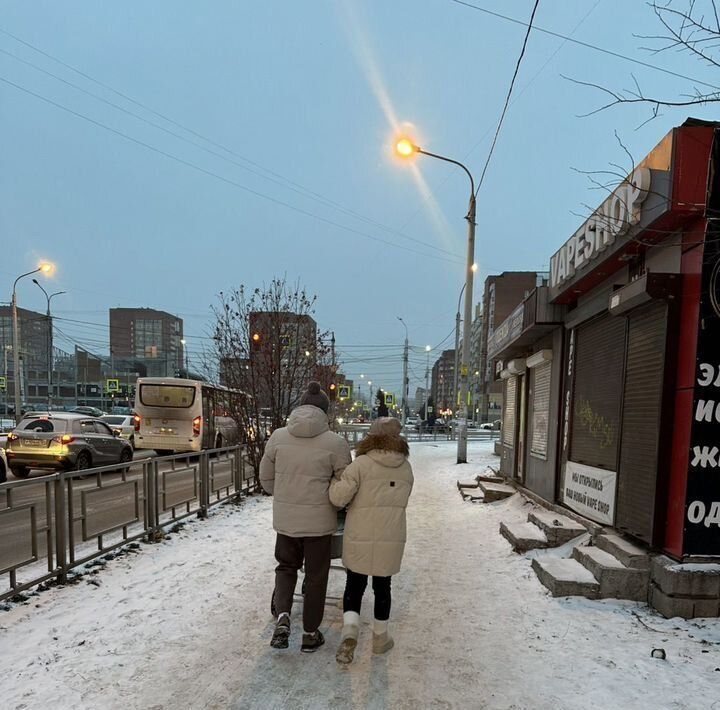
(281,635)
(312,642)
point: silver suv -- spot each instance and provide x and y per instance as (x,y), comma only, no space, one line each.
(63,441)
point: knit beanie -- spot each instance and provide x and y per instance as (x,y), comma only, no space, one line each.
(314,395)
(386,426)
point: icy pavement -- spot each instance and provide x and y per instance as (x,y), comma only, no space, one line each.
(186,624)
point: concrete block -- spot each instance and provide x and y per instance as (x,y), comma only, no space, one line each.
(565,577)
(690,580)
(668,606)
(495,491)
(559,529)
(497,449)
(630,554)
(616,580)
(523,536)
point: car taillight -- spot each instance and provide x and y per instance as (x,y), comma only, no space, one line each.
(64,439)
(196,426)
(136,422)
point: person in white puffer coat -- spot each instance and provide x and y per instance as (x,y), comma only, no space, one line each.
(376,488)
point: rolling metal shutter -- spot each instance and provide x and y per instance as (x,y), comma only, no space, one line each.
(540,385)
(642,408)
(509,412)
(598,392)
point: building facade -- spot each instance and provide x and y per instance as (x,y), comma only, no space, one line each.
(147,341)
(443,382)
(500,296)
(611,373)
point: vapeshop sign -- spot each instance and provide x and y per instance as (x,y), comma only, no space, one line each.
(621,211)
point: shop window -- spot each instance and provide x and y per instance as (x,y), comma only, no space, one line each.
(510,410)
(540,385)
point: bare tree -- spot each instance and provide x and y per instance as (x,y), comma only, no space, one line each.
(688,27)
(266,345)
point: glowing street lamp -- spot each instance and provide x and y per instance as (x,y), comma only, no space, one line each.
(405,148)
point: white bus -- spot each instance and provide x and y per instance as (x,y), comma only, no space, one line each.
(174,415)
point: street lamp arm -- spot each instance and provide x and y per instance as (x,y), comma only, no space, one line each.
(454,162)
(22,276)
(405,325)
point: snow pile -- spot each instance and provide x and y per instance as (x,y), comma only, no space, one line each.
(186,623)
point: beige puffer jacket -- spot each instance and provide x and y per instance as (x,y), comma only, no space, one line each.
(299,461)
(376,486)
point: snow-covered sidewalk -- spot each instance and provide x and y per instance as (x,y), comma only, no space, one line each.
(186,624)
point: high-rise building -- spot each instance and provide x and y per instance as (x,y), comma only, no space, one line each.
(35,345)
(147,341)
(443,381)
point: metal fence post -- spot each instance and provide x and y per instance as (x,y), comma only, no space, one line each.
(151,493)
(204,484)
(60,530)
(238,472)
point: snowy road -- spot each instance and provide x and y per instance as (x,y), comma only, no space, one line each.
(185,624)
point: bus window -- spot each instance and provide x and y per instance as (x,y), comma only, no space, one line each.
(177,396)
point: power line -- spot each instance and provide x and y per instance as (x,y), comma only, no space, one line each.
(226,180)
(587,45)
(507,98)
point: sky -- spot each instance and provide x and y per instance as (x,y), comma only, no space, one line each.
(161,152)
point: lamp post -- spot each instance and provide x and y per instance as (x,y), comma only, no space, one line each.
(370,399)
(405,148)
(404,396)
(6,350)
(45,268)
(184,357)
(427,381)
(49,340)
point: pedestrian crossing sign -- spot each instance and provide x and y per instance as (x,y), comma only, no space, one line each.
(389,399)
(344,392)
(112,385)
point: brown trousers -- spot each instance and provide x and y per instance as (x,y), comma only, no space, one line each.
(290,553)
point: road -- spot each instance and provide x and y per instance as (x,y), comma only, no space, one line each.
(96,503)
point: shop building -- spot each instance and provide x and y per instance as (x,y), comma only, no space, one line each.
(611,372)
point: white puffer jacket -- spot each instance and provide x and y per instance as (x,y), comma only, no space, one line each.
(375,487)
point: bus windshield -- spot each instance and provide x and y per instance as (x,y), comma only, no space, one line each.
(176,396)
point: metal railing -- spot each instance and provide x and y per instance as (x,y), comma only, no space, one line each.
(354,433)
(54,523)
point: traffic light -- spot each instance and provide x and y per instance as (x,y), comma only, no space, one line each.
(256,339)
(332,390)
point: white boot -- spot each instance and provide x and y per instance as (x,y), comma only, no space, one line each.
(349,637)
(382,641)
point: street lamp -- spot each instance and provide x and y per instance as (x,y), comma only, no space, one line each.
(404,397)
(405,148)
(44,267)
(49,340)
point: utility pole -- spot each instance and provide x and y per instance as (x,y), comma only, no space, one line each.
(467,334)
(6,350)
(48,319)
(427,381)
(457,353)
(404,396)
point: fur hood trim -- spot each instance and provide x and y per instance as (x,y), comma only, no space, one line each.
(383,442)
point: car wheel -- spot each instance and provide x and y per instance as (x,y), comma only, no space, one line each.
(83,461)
(20,471)
(126,457)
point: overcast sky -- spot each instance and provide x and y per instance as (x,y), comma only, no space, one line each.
(270,153)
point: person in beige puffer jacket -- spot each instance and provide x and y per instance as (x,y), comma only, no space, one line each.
(376,488)
(299,461)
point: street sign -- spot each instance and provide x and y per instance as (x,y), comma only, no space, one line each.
(344,392)
(112,385)
(3,384)
(389,399)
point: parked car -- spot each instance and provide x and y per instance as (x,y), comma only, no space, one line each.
(124,424)
(63,441)
(7,425)
(491,425)
(91,411)
(3,463)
